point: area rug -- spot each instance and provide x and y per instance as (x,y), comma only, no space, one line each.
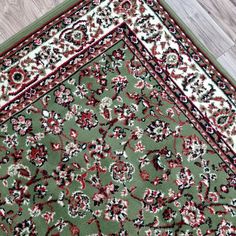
(114,123)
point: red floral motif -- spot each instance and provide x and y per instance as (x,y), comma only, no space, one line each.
(40,190)
(192,215)
(104,17)
(225,228)
(120,82)
(86,119)
(21,125)
(126,113)
(194,148)
(169,214)
(222,119)
(127,8)
(71,150)
(185,178)
(25,227)
(48,216)
(52,122)
(153,200)
(18,194)
(78,205)
(63,96)
(104,193)
(158,130)
(116,210)
(37,155)
(122,171)
(99,149)
(63,175)
(76,35)
(172,58)
(81,91)
(17,78)
(118,54)
(118,133)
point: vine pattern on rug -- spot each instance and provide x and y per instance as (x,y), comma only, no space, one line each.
(108,152)
(213,94)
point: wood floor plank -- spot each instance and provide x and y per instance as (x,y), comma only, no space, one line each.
(228,61)
(233,1)
(17,14)
(223,12)
(202,25)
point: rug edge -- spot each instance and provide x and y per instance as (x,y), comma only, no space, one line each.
(189,33)
(36,25)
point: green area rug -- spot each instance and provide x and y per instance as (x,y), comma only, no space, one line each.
(113,122)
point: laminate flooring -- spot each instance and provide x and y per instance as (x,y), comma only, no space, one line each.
(212,21)
(214,24)
(17,14)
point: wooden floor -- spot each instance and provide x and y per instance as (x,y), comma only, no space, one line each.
(212,21)
(16,14)
(214,24)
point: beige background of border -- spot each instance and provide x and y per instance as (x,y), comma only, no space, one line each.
(190,14)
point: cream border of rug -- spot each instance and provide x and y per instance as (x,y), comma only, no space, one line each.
(58,10)
(197,42)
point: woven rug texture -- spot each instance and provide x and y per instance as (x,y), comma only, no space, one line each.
(115,121)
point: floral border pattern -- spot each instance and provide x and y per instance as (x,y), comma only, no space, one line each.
(212,95)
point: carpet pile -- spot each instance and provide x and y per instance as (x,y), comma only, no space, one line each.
(114,123)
